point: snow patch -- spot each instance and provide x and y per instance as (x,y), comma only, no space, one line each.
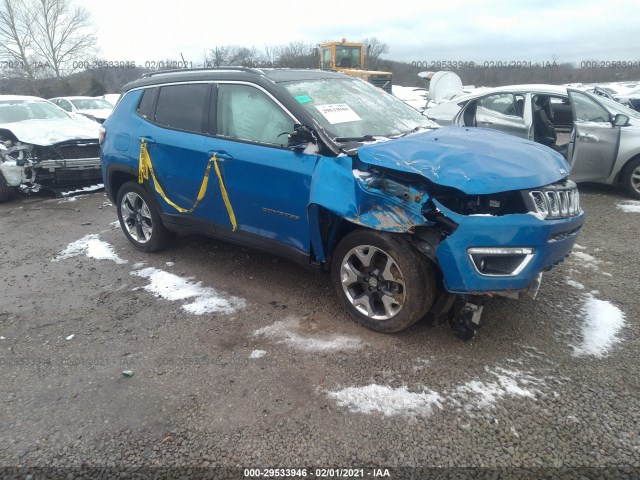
(92,247)
(631,206)
(283,332)
(169,264)
(71,336)
(174,288)
(602,323)
(472,395)
(575,284)
(386,400)
(258,354)
(91,188)
(514,383)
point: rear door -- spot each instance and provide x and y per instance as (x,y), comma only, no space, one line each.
(594,140)
(175,138)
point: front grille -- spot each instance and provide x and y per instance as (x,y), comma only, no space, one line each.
(557,201)
(70,152)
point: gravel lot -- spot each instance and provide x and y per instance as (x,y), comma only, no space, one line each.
(275,374)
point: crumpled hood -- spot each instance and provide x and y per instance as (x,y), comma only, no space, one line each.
(476,161)
(52,131)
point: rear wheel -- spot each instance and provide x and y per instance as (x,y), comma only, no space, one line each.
(381,280)
(631,178)
(140,220)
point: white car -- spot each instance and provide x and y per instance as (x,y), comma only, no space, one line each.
(42,146)
(91,107)
(601,137)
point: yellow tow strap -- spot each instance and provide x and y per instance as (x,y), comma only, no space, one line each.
(145,167)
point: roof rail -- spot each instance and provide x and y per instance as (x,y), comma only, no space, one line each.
(204,69)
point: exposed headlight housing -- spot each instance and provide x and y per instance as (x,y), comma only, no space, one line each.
(500,261)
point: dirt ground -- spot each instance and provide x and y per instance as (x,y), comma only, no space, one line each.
(276,374)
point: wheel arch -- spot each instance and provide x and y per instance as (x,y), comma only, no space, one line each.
(117,175)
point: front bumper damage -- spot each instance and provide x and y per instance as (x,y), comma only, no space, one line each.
(30,168)
(530,245)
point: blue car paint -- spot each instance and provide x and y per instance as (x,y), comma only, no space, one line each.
(475,161)
(516,230)
(265,185)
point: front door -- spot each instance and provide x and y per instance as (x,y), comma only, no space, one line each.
(267,183)
(594,140)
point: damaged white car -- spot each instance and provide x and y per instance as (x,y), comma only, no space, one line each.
(42,146)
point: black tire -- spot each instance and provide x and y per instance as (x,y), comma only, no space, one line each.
(631,178)
(392,292)
(6,192)
(140,220)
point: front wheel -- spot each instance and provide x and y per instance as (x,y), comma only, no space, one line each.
(6,192)
(631,179)
(381,280)
(140,220)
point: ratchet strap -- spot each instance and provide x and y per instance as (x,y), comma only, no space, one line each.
(145,167)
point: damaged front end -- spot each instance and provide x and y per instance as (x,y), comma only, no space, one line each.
(490,226)
(30,167)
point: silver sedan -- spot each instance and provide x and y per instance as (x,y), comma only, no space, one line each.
(599,137)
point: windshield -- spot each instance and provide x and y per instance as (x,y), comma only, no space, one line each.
(616,107)
(12,111)
(347,57)
(350,108)
(91,104)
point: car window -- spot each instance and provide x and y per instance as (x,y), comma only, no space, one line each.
(21,110)
(91,104)
(587,110)
(182,106)
(503,103)
(64,105)
(145,107)
(350,107)
(247,113)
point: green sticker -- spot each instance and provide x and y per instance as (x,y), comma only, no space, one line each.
(303,99)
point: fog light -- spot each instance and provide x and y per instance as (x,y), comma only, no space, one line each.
(500,261)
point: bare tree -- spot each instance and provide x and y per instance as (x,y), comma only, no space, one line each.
(15,40)
(296,54)
(63,35)
(374,49)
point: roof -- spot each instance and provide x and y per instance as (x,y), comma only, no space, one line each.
(535,88)
(20,97)
(75,97)
(273,75)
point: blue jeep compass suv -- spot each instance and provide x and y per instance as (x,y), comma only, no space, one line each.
(327,170)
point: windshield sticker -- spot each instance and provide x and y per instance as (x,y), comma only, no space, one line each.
(338,113)
(303,98)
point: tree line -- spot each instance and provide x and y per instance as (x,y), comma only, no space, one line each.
(49,48)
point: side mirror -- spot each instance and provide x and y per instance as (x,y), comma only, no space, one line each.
(620,120)
(301,137)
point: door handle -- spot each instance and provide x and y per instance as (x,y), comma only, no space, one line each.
(220,154)
(149,140)
(588,136)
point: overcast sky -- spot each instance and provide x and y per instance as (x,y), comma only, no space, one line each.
(416,30)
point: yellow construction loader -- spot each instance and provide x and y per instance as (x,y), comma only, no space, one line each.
(349,57)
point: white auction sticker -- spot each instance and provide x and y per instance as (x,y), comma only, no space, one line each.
(338,113)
